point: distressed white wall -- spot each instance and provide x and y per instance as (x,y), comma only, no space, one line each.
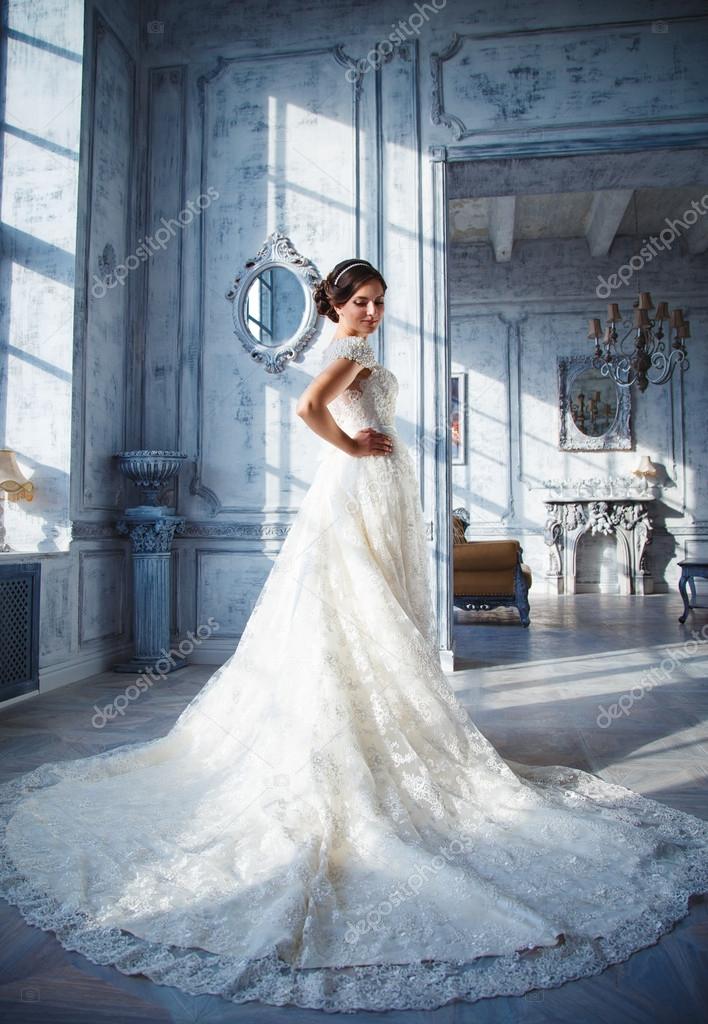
(42,58)
(41,65)
(65,358)
(105,379)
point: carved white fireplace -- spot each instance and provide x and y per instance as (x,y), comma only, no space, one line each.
(569,517)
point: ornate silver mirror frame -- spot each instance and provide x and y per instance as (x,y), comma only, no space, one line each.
(617,435)
(277,252)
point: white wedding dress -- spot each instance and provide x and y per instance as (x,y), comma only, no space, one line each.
(324,825)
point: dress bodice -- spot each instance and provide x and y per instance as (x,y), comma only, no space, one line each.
(370,401)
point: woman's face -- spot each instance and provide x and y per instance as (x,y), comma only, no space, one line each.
(363,312)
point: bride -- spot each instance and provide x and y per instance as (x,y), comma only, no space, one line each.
(324,825)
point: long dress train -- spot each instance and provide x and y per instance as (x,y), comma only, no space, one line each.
(324,825)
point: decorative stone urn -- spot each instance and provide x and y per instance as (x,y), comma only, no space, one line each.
(151,471)
(151,528)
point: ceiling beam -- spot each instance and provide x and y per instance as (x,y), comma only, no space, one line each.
(604,218)
(591,172)
(500,220)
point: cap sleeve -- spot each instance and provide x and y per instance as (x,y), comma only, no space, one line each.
(357,349)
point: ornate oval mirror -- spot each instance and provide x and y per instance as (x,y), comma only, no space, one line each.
(273,310)
(594,411)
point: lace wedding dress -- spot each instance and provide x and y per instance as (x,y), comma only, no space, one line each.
(324,825)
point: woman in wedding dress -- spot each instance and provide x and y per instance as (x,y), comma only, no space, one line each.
(324,825)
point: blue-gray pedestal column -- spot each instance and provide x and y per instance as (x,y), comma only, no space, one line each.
(151,540)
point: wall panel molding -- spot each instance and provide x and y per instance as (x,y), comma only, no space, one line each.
(106,46)
(162,324)
(110,565)
(605,48)
(204,84)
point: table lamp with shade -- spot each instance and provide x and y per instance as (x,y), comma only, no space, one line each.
(646,467)
(646,470)
(17,487)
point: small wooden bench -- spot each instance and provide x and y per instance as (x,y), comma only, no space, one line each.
(690,568)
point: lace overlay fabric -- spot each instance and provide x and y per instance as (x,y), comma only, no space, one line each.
(367,403)
(324,825)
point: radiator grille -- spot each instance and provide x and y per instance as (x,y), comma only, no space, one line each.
(19,629)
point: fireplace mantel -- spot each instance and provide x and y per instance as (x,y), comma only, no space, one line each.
(628,518)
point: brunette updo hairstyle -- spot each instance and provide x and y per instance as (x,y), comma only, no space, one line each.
(326,293)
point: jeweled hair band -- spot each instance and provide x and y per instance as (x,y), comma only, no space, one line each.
(349,268)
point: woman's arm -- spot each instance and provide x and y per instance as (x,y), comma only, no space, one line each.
(312,408)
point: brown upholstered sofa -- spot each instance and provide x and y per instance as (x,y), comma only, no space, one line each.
(488,573)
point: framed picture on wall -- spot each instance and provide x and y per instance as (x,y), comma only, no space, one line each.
(458,404)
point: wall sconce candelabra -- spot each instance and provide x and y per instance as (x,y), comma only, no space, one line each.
(18,487)
(650,351)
